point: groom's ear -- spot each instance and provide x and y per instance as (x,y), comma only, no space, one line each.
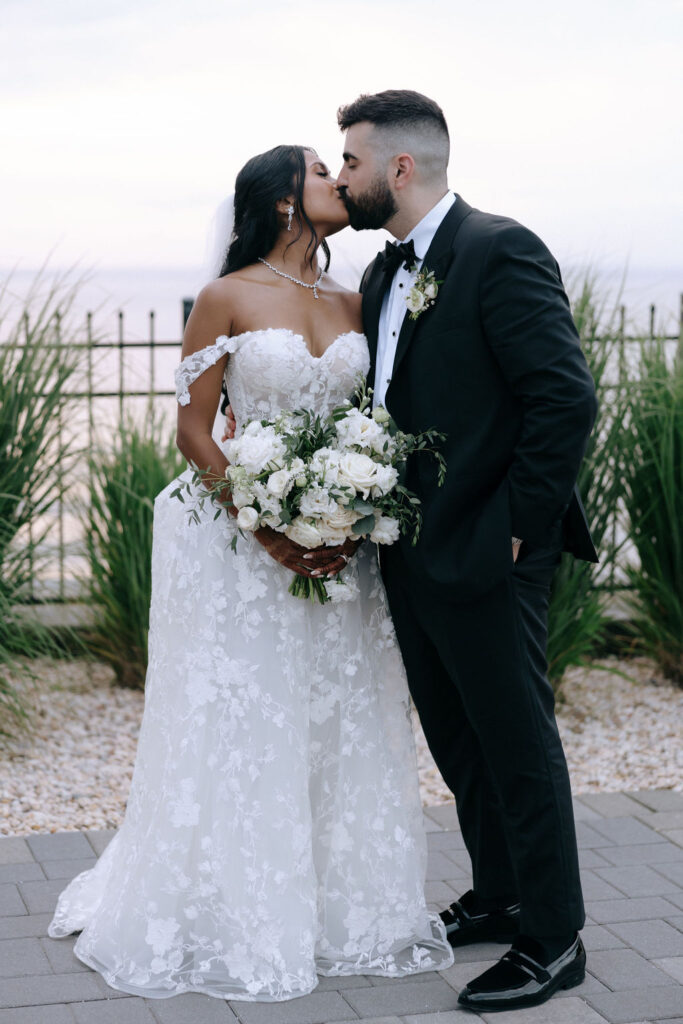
(403,169)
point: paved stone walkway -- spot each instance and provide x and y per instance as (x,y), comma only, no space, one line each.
(632,860)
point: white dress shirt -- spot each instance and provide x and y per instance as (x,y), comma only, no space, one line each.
(394,306)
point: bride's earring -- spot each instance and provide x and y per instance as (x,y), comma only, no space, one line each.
(290,214)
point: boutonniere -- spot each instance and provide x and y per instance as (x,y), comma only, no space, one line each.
(423,293)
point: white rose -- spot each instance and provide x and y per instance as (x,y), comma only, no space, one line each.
(358,471)
(387,477)
(431,289)
(386,531)
(380,414)
(247,518)
(331,537)
(280,483)
(415,300)
(303,533)
(340,589)
(339,518)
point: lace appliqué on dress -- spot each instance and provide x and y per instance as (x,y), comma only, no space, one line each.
(196,363)
(274,830)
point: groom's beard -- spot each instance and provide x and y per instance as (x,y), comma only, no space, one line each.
(372,208)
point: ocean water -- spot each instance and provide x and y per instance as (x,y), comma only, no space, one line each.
(136,291)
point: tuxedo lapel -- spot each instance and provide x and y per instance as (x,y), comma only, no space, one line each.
(438,259)
(373,295)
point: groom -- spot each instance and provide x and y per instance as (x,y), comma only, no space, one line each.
(492,360)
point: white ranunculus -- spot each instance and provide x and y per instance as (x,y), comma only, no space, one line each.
(415,300)
(267,501)
(324,465)
(358,429)
(241,496)
(280,483)
(387,477)
(358,471)
(380,414)
(303,533)
(258,450)
(230,450)
(386,531)
(315,503)
(247,518)
(252,429)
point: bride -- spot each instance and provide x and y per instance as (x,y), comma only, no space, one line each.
(273,831)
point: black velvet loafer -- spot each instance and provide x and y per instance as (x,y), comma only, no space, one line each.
(464,926)
(517,980)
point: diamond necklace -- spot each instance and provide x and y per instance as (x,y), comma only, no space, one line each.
(296,280)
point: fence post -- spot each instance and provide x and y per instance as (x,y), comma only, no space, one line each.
(120,368)
(91,438)
(621,383)
(152,387)
(31,590)
(652,322)
(60,456)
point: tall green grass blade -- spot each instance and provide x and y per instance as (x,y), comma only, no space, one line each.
(38,361)
(119,524)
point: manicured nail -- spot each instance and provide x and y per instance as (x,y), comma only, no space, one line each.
(308,557)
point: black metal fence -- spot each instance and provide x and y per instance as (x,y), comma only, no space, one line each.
(117,373)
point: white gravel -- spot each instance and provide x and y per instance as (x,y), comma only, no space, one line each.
(74,770)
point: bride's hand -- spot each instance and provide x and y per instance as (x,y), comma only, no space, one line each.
(321,561)
(230,425)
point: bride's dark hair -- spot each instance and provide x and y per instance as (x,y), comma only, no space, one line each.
(263,180)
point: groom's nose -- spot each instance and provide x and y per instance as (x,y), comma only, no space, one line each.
(341,178)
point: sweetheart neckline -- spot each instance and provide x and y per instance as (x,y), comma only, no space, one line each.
(295,334)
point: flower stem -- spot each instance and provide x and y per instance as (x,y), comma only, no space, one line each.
(307,588)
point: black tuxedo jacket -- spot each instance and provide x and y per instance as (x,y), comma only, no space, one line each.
(496,365)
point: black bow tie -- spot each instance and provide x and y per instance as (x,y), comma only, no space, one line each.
(397,253)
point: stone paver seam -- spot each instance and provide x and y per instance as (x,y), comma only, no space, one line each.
(656,866)
(21,897)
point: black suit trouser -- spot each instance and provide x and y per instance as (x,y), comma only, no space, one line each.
(477,675)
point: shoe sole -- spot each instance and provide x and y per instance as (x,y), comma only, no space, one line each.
(571,980)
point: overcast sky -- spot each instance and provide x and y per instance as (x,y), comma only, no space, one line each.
(124,123)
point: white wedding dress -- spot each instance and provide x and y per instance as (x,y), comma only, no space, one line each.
(273,830)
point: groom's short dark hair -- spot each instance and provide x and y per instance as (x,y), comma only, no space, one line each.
(393,108)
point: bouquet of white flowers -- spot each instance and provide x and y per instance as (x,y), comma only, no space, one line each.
(321,481)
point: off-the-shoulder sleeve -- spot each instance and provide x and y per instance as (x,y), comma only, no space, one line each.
(193,366)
